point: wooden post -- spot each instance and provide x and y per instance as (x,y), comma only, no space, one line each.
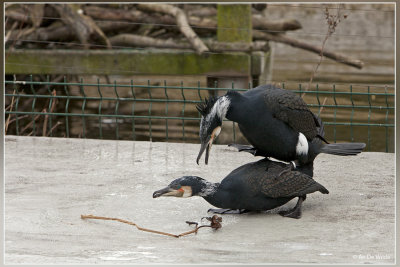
(234,25)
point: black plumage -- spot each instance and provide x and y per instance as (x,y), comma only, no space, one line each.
(277,123)
(205,107)
(291,109)
(256,186)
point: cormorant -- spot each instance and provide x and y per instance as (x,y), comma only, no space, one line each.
(256,186)
(275,121)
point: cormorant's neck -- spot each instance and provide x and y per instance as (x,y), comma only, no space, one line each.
(220,107)
(213,194)
(207,189)
(235,98)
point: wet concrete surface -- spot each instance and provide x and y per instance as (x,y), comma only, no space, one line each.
(50,182)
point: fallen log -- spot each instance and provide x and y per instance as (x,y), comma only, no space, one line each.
(214,46)
(144,41)
(36,13)
(82,25)
(132,15)
(18,16)
(59,32)
(260,23)
(197,22)
(181,21)
(199,11)
(312,48)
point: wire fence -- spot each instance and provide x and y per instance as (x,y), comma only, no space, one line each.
(302,33)
(182,51)
(44,107)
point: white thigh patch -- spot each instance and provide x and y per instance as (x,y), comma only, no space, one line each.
(302,145)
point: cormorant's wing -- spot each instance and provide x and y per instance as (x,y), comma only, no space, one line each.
(284,182)
(291,109)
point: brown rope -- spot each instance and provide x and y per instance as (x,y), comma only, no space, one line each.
(215,224)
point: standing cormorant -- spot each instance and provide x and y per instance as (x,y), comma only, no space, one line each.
(256,186)
(275,121)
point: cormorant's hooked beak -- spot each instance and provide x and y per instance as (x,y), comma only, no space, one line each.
(207,145)
(167,191)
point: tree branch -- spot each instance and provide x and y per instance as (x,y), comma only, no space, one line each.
(143,41)
(215,224)
(181,21)
(83,26)
(295,43)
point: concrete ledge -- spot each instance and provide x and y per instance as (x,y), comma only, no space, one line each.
(50,182)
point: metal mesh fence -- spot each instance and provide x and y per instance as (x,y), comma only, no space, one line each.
(359,113)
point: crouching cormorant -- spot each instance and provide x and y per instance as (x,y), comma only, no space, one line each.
(256,186)
(276,122)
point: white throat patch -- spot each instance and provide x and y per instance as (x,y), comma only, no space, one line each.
(209,189)
(187,191)
(302,145)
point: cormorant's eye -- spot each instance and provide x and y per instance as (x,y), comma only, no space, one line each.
(175,186)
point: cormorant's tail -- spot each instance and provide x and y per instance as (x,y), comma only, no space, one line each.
(322,189)
(343,149)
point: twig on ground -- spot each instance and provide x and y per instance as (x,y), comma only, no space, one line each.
(215,224)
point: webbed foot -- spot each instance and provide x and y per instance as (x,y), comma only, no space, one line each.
(244,148)
(294,213)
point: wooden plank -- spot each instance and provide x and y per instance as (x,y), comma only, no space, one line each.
(126,62)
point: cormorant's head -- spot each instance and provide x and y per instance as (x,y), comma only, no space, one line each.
(186,186)
(212,111)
